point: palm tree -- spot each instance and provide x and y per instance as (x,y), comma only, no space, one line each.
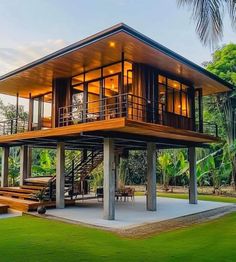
(208,16)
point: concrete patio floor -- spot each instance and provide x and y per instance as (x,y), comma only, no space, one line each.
(132,213)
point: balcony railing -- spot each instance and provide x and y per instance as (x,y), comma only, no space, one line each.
(125,105)
(13,126)
(207,128)
(129,106)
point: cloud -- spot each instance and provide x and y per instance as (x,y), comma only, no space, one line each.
(12,58)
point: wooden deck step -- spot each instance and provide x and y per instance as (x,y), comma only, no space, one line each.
(19,204)
(16,194)
(3,209)
(37,181)
(28,205)
(32,187)
(18,190)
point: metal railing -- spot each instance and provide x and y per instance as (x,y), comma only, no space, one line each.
(207,128)
(125,105)
(13,126)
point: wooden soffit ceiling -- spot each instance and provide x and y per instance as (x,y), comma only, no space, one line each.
(102,49)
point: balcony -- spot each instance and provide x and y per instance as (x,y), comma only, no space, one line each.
(133,108)
(13,126)
(126,106)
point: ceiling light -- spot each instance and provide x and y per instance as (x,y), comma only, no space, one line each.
(112,44)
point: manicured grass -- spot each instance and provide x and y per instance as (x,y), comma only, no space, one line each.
(200,197)
(34,239)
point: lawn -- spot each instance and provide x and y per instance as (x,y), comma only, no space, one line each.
(200,197)
(34,239)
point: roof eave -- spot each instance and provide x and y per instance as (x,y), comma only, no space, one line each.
(108,32)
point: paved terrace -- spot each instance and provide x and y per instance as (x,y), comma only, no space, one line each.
(133,213)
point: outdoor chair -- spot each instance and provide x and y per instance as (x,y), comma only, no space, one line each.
(99,193)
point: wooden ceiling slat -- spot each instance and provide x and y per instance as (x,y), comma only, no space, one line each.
(39,77)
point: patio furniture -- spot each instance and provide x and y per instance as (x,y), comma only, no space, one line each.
(99,193)
(125,193)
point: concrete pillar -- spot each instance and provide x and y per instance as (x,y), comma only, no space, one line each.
(192,176)
(23,164)
(60,175)
(151,177)
(109,180)
(5,166)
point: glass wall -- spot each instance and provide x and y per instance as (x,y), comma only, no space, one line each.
(174,96)
(105,84)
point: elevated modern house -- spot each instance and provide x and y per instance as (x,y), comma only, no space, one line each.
(115,91)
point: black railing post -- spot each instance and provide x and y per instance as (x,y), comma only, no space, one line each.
(50,190)
(126,106)
(216,130)
(11,123)
(72,178)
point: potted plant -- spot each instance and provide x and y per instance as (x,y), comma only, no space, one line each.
(41,195)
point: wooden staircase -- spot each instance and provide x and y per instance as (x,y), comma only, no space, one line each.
(19,198)
(23,198)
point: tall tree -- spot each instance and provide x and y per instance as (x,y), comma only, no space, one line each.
(208,17)
(222,108)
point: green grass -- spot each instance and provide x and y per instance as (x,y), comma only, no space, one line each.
(34,239)
(200,197)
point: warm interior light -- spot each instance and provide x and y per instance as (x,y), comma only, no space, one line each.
(111,71)
(179,106)
(112,84)
(112,44)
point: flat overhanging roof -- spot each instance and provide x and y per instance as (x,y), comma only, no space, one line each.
(97,50)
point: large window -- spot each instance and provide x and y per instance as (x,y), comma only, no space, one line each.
(174,96)
(109,77)
(98,89)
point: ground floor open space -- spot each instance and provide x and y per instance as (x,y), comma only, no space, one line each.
(132,213)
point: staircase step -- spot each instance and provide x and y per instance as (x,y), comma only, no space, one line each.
(16,194)
(19,204)
(32,187)
(18,190)
(37,181)
(3,209)
(28,205)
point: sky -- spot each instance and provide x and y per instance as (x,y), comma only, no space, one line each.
(30,29)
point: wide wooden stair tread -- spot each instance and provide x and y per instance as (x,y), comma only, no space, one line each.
(37,181)
(18,190)
(19,204)
(32,187)
(16,194)
(28,205)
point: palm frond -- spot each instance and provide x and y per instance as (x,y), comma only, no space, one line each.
(207,15)
(231,4)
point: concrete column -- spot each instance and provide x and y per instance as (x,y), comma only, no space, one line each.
(151,177)
(109,180)
(192,176)
(23,164)
(60,175)
(5,166)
